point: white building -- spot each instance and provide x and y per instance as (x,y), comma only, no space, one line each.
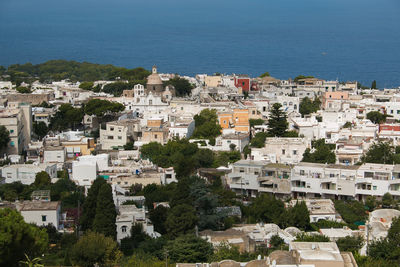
(85,168)
(26,173)
(281,150)
(127,216)
(41,213)
(53,154)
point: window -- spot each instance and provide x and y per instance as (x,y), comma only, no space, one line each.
(11,131)
(391,111)
(155,136)
(341,97)
(123,228)
(111,128)
(119,137)
(398,111)
(374,187)
(283,151)
(294,152)
(12,143)
(44,218)
(302,172)
(110,137)
(150,102)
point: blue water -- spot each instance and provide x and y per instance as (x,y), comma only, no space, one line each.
(344,39)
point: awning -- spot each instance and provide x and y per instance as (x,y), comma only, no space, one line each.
(268,183)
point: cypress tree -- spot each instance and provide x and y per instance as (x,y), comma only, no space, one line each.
(89,206)
(373,85)
(104,220)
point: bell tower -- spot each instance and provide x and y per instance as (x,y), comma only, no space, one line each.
(154,69)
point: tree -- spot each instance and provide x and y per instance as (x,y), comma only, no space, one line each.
(104,220)
(90,204)
(129,145)
(376,117)
(182,86)
(387,200)
(95,248)
(277,122)
(371,203)
(300,216)
(351,211)
(42,179)
(299,77)
(265,74)
(307,106)
(259,140)
(266,208)
(4,137)
(380,153)
(348,124)
(254,122)
(158,217)
(23,90)
(373,85)
(100,107)
(350,243)
(389,247)
(132,242)
(86,86)
(322,154)
(304,237)
(66,117)
(40,129)
(206,124)
(189,248)
(18,238)
(181,219)
(276,241)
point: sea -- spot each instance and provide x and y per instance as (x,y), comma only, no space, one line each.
(331,39)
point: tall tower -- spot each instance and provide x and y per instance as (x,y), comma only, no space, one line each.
(154,69)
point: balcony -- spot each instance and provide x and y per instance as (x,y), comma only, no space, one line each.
(364,180)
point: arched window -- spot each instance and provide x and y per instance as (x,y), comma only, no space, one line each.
(123,228)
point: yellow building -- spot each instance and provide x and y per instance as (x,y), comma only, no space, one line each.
(212,81)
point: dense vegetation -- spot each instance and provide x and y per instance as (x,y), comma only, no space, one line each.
(56,70)
(377,117)
(383,153)
(186,157)
(307,106)
(323,153)
(206,124)
(4,137)
(182,86)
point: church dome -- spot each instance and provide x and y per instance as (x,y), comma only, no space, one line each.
(154,78)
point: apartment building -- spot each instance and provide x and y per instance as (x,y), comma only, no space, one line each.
(26,173)
(18,121)
(117,133)
(250,177)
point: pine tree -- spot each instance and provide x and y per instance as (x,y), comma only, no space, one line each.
(277,122)
(104,220)
(89,206)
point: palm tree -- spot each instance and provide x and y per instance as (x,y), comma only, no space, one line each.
(32,262)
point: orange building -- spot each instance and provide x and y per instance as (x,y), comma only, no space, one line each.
(329,98)
(237,119)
